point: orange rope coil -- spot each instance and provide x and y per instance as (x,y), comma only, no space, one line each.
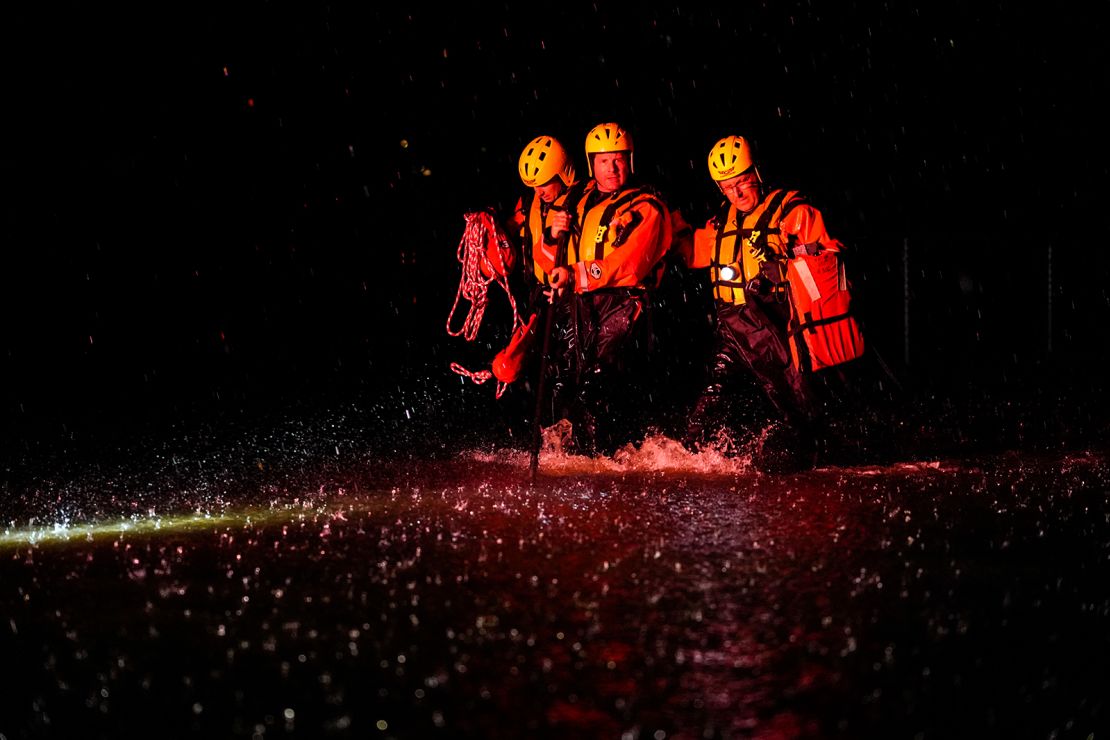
(481,236)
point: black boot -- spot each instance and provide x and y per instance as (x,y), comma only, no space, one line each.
(705,421)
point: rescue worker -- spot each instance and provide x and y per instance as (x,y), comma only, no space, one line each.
(745,246)
(617,233)
(547,172)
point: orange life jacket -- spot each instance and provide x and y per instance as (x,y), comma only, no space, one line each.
(744,246)
(620,238)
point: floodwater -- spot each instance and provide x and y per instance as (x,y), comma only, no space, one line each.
(286,582)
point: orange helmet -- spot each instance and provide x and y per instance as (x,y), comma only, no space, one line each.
(544,159)
(607,137)
(729,157)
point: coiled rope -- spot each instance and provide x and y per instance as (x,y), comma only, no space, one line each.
(480,230)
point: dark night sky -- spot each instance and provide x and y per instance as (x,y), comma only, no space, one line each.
(212,200)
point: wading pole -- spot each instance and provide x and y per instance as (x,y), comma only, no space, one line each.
(548,322)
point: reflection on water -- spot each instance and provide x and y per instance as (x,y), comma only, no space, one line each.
(288,582)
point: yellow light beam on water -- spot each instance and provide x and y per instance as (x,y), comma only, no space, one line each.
(61,533)
(386,502)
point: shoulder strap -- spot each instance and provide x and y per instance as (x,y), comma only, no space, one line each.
(720,220)
(569,204)
(626,197)
(791,240)
(772,207)
(757,235)
(526,201)
(574,194)
(721,216)
(797,200)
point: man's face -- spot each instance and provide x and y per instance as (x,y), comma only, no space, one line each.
(611,170)
(742,191)
(550,190)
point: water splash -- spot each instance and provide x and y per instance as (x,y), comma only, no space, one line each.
(657,453)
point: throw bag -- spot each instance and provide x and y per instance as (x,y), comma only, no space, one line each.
(509,362)
(821,303)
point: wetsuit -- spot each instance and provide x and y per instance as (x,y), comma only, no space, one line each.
(744,253)
(603,333)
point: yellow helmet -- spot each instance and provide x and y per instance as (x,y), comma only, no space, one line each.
(729,157)
(607,137)
(542,160)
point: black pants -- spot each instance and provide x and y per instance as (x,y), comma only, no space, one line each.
(750,348)
(598,363)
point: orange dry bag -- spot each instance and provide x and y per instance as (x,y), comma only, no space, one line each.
(509,362)
(822,311)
